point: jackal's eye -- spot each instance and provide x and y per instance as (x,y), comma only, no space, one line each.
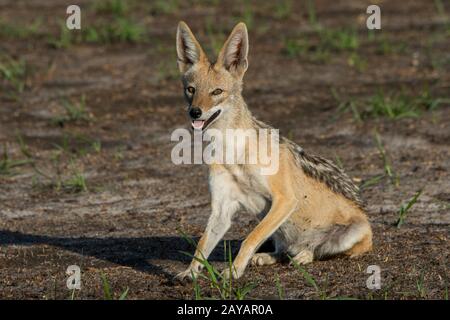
(190,90)
(217,92)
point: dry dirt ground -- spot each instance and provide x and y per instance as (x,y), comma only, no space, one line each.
(127,223)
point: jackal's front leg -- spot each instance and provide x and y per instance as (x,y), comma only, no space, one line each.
(281,209)
(218,224)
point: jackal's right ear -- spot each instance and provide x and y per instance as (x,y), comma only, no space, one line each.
(189,50)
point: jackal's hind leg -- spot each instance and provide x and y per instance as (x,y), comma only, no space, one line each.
(352,239)
(304,257)
(361,247)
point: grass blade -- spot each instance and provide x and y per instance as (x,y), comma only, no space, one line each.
(308,277)
(106,288)
(124,294)
(404,209)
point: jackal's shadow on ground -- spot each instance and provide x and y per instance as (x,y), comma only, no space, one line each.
(138,253)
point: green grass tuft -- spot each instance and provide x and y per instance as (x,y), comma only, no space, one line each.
(74,112)
(388,171)
(107,292)
(115,7)
(117,29)
(16,31)
(323,44)
(310,280)
(280,290)
(420,286)
(394,106)
(405,208)
(247,16)
(7,164)
(13,72)
(165,6)
(225,288)
(372,181)
(283,9)
(312,15)
(65,37)
(76,183)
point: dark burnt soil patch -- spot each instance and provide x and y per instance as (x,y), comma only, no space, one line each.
(127,222)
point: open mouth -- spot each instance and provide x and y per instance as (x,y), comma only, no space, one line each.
(203,124)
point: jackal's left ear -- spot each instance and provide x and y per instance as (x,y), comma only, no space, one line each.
(189,50)
(233,55)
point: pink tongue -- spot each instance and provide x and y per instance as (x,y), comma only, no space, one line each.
(198,124)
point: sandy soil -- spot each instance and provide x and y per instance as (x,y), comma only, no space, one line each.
(127,224)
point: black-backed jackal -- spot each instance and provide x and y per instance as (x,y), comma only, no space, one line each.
(309,207)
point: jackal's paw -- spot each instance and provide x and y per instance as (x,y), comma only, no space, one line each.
(187,274)
(304,257)
(263,259)
(236,273)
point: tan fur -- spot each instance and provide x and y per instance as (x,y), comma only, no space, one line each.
(361,247)
(321,206)
(307,217)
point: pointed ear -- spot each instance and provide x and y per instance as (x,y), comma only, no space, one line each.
(189,50)
(233,55)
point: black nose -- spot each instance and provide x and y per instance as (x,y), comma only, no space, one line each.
(195,113)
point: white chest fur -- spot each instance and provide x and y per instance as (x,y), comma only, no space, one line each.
(242,184)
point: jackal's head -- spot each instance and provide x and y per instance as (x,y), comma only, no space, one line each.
(211,89)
